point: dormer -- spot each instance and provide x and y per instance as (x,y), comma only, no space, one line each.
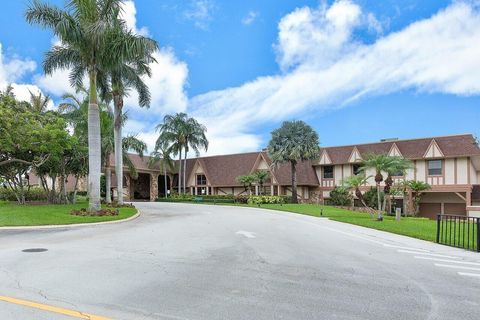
(433,151)
(355,156)
(394,151)
(325,158)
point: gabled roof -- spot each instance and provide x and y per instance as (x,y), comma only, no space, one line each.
(450,146)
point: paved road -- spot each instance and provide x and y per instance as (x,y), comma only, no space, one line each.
(183,261)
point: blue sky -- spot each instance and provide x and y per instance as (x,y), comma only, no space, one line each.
(357,71)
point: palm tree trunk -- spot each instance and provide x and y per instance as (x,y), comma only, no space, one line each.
(185,171)
(108,185)
(117,133)
(94,146)
(165,179)
(294,182)
(180,172)
(380,215)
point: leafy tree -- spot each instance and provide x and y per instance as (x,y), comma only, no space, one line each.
(292,143)
(91,44)
(261,176)
(247,182)
(418,188)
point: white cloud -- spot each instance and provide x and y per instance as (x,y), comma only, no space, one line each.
(129,14)
(200,12)
(325,68)
(250,17)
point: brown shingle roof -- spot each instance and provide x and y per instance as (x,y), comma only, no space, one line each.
(451,146)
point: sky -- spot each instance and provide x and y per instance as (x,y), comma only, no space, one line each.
(355,70)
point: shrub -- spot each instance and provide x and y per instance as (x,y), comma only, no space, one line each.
(340,197)
(258,200)
(34,194)
(370,198)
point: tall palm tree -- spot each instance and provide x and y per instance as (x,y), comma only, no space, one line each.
(293,142)
(196,139)
(398,167)
(91,44)
(381,163)
(39,102)
(172,131)
(161,155)
(125,76)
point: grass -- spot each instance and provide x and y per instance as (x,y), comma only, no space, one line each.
(12,214)
(420,228)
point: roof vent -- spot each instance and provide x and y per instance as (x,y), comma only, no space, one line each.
(388,139)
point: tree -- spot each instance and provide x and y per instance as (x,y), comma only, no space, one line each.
(196,139)
(294,142)
(247,182)
(380,163)
(417,188)
(261,176)
(398,167)
(161,155)
(90,44)
(172,132)
(39,102)
(128,75)
(354,183)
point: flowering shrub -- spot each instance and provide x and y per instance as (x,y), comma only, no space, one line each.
(266,200)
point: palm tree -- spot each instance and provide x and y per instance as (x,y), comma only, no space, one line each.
(172,131)
(354,183)
(196,139)
(161,155)
(398,167)
(380,163)
(260,177)
(417,188)
(247,181)
(90,44)
(294,142)
(39,102)
(125,76)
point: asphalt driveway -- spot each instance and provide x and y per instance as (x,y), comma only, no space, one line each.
(184,261)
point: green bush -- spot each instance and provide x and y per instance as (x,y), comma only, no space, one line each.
(370,198)
(34,194)
(340,197)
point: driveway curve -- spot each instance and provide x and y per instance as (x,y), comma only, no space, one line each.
(185,261)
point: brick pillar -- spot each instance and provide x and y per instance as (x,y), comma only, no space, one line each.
(153,186)
(128,186)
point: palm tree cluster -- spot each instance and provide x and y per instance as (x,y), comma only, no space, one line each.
(96,42)
(75,111)
(178,135)
(259,176)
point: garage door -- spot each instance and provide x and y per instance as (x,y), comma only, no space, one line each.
(430,210)
(455,208)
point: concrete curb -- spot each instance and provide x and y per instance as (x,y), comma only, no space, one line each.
(71,226)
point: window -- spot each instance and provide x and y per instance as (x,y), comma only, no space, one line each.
(356,169)
(434,167)
(397,174)
(201,180)
(328,172)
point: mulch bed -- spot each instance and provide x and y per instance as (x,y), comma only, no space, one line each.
(102,213)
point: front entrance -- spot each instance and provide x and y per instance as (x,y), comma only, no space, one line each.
(161,186)
(141,187)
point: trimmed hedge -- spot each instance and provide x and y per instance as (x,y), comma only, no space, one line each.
(34,194)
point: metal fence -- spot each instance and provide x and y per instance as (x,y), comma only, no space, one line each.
(459,231)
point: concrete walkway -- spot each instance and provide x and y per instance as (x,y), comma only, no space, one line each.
(184,261)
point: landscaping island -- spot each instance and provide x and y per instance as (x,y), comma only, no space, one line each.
(14,215)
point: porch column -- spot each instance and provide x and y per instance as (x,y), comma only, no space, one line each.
(206,190)
(128,187)
(256,190)
(153,186)
(272,191)
(410,203)
(279,190)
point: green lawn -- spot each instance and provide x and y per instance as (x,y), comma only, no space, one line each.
(420,228)
(12,214)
